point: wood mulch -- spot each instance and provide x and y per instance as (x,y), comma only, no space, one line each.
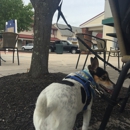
(18,94)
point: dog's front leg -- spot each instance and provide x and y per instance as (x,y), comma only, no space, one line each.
(87,116)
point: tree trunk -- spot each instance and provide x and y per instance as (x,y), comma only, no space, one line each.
(44,11)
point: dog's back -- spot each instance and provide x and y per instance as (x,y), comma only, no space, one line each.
(57,105)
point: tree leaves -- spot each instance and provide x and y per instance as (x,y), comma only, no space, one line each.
(15,9)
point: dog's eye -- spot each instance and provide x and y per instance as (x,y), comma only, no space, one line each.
(104,78)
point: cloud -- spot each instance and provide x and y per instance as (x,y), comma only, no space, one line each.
(77,12)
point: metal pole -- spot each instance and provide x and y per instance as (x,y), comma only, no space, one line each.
(114,96)
(125,101)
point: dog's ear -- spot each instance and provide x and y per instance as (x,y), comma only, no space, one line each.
(94,63)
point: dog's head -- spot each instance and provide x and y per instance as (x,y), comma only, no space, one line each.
(100,76)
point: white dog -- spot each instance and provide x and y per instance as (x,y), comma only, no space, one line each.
(58,104)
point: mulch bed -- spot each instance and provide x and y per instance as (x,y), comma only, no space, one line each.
(18,94)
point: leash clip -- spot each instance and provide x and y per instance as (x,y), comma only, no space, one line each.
(100,93)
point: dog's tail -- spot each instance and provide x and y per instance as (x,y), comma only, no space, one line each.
(44,108)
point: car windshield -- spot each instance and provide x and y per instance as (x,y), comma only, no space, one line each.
(29,44)
(69,42)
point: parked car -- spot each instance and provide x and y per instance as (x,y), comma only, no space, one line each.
(67,46)
(29,46)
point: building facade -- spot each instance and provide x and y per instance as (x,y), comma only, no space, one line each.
(26,37)
(66,34)
(96,27)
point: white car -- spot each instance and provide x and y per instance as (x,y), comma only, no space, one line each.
(29,46)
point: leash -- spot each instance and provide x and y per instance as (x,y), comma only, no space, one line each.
(97,54)
(60,14)
(99,92)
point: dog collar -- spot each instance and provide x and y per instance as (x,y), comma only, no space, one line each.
(85,79)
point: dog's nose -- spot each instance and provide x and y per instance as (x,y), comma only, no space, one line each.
(111,87)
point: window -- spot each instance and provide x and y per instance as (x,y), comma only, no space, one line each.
(57,42)
(55,33)
(30,44)
(64,43)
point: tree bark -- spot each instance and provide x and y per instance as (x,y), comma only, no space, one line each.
(44,11)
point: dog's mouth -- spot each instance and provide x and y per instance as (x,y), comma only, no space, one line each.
(110,91)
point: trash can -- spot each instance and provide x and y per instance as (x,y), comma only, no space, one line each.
(59,48)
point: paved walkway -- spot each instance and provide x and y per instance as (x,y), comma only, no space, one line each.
(64,63)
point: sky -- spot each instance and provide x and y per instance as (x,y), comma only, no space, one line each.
(77,12)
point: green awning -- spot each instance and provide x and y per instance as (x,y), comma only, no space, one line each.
(111,35)
(108,21)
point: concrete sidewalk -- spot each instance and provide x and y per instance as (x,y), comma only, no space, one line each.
(64,63)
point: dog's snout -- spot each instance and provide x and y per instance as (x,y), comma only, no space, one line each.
(112,85)
(109,85)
